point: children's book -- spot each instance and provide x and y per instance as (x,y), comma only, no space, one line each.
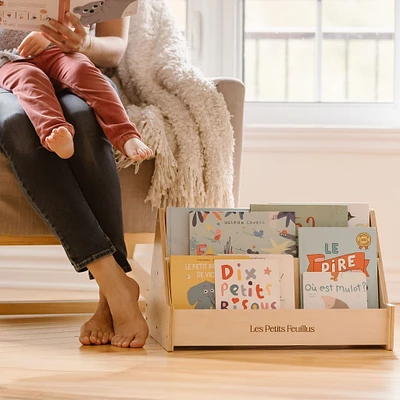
(357,213)
(320,291)
(242,233)
(29,15)
(248,284)
(192,281)
(178,227)
(311,215)
(337,250)
(286,277)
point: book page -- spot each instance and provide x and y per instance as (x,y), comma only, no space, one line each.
(27,15)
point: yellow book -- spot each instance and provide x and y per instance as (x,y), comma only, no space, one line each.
(193,281)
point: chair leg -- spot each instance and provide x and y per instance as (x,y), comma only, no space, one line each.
(132,239)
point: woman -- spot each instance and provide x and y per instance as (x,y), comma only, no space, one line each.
(79,198)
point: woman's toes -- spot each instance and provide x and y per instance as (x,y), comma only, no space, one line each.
(84,338)
(93,338)
(99,337)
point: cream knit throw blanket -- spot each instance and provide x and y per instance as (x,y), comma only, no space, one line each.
(179,113)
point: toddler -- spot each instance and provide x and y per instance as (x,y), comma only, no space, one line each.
(36,70)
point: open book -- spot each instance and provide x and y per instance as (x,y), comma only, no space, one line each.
(30,14)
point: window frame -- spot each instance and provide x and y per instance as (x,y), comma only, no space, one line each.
(220,36)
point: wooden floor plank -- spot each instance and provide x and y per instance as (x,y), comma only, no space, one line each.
(41,358)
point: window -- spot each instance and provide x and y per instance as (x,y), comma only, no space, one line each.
(178,8)
(319,51)
(329,62)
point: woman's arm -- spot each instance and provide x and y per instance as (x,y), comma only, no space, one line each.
(105,50)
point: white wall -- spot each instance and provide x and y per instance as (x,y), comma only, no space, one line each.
(324,165)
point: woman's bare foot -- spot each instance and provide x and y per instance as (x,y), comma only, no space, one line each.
(61,142)
(130,327)
(136,150)
(99,329)
(122,294)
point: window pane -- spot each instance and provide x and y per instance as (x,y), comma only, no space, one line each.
(319,50)
(279,50)
(358,50)
(178,8)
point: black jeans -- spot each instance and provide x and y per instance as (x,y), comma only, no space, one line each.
(78,198)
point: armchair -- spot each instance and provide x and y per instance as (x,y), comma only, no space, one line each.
(19,224)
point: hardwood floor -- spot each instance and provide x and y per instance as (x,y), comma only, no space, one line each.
(41,358)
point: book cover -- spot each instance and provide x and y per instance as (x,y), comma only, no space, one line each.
(357,213)
(337,250)
(242,233)
(248,284)
(311,215)
(24,15)
(178,227)
(320,291)
(192,281)
(286,277)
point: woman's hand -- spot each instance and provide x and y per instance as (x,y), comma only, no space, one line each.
(33,45)
(75,39)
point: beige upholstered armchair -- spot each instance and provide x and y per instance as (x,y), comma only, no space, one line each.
(19,224)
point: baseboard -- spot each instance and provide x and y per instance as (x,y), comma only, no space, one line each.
(47,268)
(392,277)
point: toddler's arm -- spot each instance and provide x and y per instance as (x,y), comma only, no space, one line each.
(33,45)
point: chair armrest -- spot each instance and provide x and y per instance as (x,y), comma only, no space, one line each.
(233,91)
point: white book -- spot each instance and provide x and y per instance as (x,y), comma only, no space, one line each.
(247,284)
(286,276)
(29,15)
(320,291)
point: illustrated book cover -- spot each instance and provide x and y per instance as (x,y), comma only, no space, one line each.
(286,277)
(310,215)
(178,227)
(320,291)
(248,284)
(192,281)
(337,250)
(357,212)
(242,233)
(29,15)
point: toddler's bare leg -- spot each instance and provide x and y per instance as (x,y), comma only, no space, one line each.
(61,142)
(136,150)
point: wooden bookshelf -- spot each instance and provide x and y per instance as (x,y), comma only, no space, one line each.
(182,328)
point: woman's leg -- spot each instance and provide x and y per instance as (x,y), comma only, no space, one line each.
(51,186)
(93,164)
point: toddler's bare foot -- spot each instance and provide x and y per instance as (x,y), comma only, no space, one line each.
(130,327)
(136,150)
(99,329)
(61,142)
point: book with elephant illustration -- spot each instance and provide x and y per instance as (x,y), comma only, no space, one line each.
(24,15)
(193,281)
(242,232)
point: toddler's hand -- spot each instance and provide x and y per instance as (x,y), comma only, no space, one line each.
(33,45)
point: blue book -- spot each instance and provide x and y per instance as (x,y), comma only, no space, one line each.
(236,232)
(178,227)
(341,250)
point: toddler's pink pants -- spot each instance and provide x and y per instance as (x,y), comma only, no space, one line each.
(36,81)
